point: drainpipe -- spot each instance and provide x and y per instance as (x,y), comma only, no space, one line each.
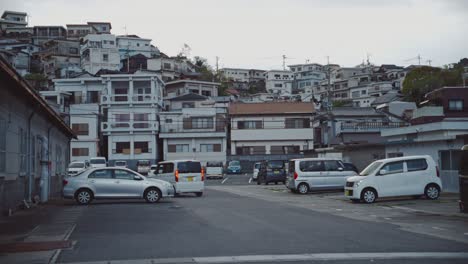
(45,176)
(28,159)
(47,153)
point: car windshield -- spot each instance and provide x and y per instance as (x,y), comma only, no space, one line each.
(97,161)
(275,164)
(214,164)
(234,163)
(120,163)
(371,168)
(77,165)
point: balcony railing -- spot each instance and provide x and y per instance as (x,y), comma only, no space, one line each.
(129,99)
(128,126)
(168,128)
(370,126)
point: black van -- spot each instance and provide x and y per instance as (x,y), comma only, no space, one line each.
(272,171)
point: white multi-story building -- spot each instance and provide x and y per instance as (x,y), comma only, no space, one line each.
(235,74)
(130,105)
(130,45)
(307,75)
(101,27)
(99,51)
(279,82)
(194,128)
(274,128)
(181,87)
(83,98)
(12,19)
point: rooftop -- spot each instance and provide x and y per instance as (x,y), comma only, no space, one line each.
(271,108)
(6,12)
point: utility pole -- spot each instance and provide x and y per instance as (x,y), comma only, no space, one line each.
(217,68)
(429,62)
(419,59)
(284,62)
(329,103)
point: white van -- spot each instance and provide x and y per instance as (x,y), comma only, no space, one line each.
(187,176)
(316,173)
(98,162)
(214,169)
(403,176)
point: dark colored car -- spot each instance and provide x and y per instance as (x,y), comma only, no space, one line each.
(350,167)
(272,171)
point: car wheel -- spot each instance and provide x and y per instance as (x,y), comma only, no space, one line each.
(152,195)
(276,183)
(368,196)
(84,196)
(432,191)
(303,188)
(199,194)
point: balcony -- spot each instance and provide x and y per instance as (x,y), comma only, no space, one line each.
(370,126)
(178,131)
(130,126)
(126,99)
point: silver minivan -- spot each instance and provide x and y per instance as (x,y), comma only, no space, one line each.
(316,173)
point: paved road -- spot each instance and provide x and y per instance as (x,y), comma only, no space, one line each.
(232,179)
(225,224)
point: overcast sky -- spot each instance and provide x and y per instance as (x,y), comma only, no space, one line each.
(256,33)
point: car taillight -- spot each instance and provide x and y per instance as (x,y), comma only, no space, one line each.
(438,172)
(202,174)
(295,175)
(65,182)
(176,174)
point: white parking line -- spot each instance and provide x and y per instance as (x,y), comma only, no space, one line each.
(296,257)
(224,180)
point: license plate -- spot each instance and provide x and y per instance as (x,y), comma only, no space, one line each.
(189,179)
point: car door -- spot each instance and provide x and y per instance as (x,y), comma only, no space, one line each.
(126,185)
(102,182)
(392,183)
(313,172)
(336,175)
(416,176)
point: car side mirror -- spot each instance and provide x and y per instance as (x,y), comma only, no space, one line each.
(340,169)
(137,178)
(383,172)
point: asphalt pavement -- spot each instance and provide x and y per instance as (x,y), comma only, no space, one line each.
(221,224)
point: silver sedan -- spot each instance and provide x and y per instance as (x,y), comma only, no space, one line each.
(113,182)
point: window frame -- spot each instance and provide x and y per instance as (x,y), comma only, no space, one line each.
(392,172)
(104,169)
(422,159)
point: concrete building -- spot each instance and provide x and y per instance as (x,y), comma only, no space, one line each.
(172,68)
(194,127)
(42,34)
(99,51)
(78,31)
(236,74)
(131,105)
(307,75)
(274,130)
(438,129)
(34,143)
(130,45)
(101,27)
(19,54)
(279,82)
(12,19)
(181,87)
(60,56)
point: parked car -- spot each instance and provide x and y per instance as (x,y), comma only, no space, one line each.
(234,167)
(316,173)
(272,171)
(403,176)
(76,167)
(143,166)
(350,167)
(187,176)
(256,170)
(113,182)
(98,162)
(121,164)
(214,169)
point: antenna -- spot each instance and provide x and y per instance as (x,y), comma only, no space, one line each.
(429,62)
(415,58)
(284,62)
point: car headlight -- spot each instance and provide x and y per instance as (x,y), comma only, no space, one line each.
(357,183)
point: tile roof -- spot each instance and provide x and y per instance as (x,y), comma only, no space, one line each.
(271,108)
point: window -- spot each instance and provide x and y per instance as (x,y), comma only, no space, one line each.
(206,93)
(297,123)
(123,175)
(121,120)
(311,165)
(140,147)
(78,152)
(198,123)
(140,120)
(188,105)
(122,147)
(393,167)
(167,66)
(93,97)
(101,174)
(331,165)
(251,150)
(210,147)
(178,148)
(189,167)
(81,129)
(284,149)
(456,105)
(249,124)
(105,57)
(73,50)
(168,121)
(363,92)
(166,168)
(278,85)
(3,130)
(416,165)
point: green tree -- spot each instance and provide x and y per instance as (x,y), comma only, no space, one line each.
(205,70)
